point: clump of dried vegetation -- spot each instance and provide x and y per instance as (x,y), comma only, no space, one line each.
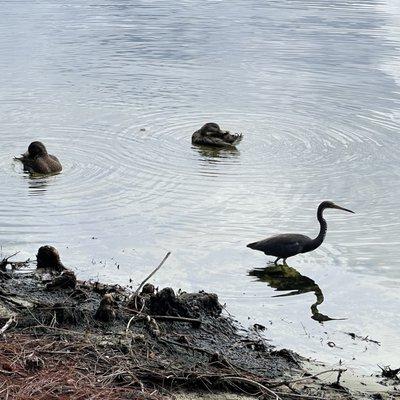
(66,339)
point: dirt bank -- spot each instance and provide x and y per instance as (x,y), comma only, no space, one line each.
(61,338)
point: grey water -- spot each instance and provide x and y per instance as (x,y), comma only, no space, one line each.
(116,88)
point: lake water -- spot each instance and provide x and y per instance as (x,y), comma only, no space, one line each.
(116,88)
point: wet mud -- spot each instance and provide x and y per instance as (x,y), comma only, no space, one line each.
(62,338)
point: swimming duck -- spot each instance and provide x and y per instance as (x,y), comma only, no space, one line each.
(36,159)
(211,134)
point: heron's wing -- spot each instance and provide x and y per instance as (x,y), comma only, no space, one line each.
(286,244)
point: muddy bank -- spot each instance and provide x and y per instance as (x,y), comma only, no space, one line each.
(62,338)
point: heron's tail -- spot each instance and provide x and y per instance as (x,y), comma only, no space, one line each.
(253,245)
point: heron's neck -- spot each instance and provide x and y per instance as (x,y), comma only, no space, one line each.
(322,231)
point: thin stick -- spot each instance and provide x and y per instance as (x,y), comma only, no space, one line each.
(7,325)
(129,324)
(261,386)
(159,266)
(166,317)
(186,346)
(302,396)
(340,372)
(4,262)
(305,378)
(5,259)
(179,319)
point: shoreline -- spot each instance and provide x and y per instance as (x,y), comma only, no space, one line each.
(57,332)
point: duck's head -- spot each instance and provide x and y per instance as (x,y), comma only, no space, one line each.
(210,127)
(36,149)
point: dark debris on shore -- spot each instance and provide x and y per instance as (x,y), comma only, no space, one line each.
(62,338)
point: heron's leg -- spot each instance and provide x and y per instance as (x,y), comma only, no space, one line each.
(276,261)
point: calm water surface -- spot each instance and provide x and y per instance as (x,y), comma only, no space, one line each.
(116,88)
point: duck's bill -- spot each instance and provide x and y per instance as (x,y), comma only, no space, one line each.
(344,209)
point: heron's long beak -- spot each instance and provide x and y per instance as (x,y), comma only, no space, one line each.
(344,209)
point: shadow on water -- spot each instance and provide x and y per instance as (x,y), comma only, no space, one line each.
(285,278)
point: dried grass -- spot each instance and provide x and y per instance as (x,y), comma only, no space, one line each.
(44,368)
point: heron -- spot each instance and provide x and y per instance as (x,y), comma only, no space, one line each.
(289,244)
(210,134)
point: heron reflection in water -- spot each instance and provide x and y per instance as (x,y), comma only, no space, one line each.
(289,244)
(285,278)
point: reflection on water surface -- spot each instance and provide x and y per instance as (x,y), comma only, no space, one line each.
(285,278)
(214,154)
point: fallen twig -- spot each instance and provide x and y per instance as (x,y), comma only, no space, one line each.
(7,325)
(154,271)
(305,378)
(135,295)
(186,346)
(340,372)
(12,255)
(302,396)
(4,261)
(363,338)
(168,318)
(261,386)
(387,372)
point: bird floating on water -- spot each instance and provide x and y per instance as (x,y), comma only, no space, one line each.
(37,160)
(289,244)
(210,134)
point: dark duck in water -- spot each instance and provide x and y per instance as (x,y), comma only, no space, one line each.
(37,160)
(289,244)
(211,134)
